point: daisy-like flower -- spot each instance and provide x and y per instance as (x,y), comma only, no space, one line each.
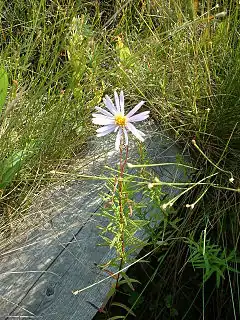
(114,120)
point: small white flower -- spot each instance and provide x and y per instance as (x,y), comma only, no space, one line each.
(115,120)
(231,179)
(221,14)
(190,205)
(164,206)
(130,165)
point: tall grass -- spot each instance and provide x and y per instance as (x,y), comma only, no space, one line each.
(54,68)
(182,57)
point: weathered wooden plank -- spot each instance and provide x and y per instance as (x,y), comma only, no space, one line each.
(40,271)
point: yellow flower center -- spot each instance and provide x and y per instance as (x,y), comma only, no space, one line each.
(120,120)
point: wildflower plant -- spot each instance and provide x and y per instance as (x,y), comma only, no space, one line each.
(211,258)
(121,230)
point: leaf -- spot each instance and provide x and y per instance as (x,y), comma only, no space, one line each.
(117,317)
(10,167)
(118,304)
(3,87)
(125,281)
(169,301)
(115,241)
(107,240)
(129,280)
(110,293)
(124,53)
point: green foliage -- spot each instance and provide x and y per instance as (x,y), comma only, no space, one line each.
(12,164)
(128,280)
(123,306)
(53,62)
(211,259)
(124,54)
(3,87)
(162,222)
(84,57)
(9,167)
(126,227)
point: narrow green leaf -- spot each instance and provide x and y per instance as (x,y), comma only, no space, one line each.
(111,292)
(10,167)
(128,280)
(3,87)
(125,281)
(121,305)
(218,279)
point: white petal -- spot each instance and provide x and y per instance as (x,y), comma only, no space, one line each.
(109,105)
(102,116)
(118,139)
(121,102)
(137,133)
(106,113)
(126,136)
(135,109)
(117,101)
(139,117)
(105,128)
(108,129)
(102,121)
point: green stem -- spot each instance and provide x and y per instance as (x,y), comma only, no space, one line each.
(121,213)
(209,160)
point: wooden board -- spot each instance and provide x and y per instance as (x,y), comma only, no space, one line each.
(42,267)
